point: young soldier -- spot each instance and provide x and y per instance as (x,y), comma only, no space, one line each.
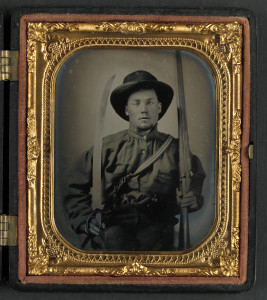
(140,169)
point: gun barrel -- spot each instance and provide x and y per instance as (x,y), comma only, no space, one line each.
(184,155)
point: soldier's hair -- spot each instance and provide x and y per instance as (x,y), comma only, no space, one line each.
(144,87)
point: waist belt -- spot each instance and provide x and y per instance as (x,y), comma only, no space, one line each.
(144,165)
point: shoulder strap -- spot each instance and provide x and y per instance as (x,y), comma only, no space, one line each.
(154,157)
(146,163)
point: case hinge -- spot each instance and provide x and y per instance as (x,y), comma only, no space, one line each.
(8,230)
(9,65)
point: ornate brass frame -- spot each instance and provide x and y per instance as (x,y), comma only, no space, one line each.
(48,47)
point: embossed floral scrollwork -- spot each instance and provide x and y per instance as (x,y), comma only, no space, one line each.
(206,272)
(135,269)
(230,40)
(54,46)
(228,259)
(53,250)
(33,148)
(37,264)
(234,150)
(236,133)
(38,31)
(229,264)
(31,55)
(51,46)
(43,260)
(135,27)
(218,249)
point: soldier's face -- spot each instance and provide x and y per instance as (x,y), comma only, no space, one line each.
(143,109)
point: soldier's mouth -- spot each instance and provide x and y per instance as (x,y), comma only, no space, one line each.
(144,118)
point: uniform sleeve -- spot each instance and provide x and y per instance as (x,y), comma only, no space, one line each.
(78,199)
(197,180)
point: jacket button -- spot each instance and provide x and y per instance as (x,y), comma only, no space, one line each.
(143,151)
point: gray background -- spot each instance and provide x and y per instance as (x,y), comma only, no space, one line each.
(79,87)
(259,9)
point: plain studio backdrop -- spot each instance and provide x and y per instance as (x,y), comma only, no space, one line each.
(79,88)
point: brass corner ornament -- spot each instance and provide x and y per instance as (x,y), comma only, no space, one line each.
(49,45)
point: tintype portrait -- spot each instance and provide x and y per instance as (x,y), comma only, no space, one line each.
(134,150)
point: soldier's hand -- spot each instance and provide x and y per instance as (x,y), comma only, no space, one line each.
(96,225)
(188,200)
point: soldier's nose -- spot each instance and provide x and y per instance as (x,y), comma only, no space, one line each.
(143,107)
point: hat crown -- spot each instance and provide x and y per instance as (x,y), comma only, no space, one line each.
(139,76)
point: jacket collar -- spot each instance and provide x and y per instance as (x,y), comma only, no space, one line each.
(149,136)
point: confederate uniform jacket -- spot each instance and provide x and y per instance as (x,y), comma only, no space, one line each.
(123,153)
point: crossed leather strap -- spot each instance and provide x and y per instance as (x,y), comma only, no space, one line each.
(144,165)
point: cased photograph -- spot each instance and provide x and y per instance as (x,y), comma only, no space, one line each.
(136,150)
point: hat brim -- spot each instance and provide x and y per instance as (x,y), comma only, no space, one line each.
(120,95)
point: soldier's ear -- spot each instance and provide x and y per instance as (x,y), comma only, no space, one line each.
(160,107)
(126,110)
